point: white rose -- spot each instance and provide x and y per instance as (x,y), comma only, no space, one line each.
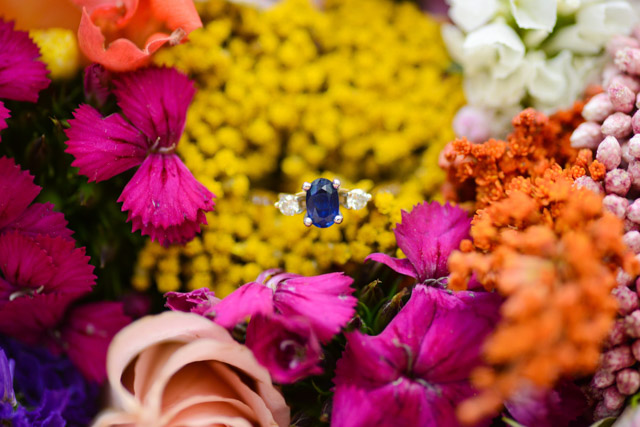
(534,14)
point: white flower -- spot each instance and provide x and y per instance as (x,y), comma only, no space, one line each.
(595,24)
(453,38)
(483,89)
(495,47)
(548,79)
(534,14)
(471,14)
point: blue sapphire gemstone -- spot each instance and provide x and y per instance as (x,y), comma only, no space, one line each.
(323,204)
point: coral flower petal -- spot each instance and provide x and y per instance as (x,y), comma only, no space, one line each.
(163,194)
(17,191)
(121,55)
(178,14)
(156,100)
(22,76)
(103,147)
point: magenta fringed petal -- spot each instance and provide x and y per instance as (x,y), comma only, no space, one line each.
(428,350)
(156,100)
(286,346)
(24,264)
(533,406)
(17,191)
(38,315)
(400,265)
(4,115)
(74,274)
(248,300)
(103,147)
(87,333)
(165,200)
(201,301)
(40,218)
(325,300)
(428,234)
(22,76)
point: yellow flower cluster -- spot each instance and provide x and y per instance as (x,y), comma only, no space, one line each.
(59,50)
(359,91)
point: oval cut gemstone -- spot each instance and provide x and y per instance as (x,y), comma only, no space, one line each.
(323,204)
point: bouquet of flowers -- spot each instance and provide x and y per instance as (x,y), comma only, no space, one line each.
(283,213)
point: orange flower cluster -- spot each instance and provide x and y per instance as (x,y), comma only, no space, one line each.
(482,172)
(554,253)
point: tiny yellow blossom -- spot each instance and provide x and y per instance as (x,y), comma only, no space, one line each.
(59,51)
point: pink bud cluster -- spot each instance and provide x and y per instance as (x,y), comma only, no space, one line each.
(612,130)
(619,374)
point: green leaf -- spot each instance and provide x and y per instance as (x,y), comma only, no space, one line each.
(605,422)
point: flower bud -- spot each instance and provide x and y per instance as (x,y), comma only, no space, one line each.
(633,212)
(628,381)
(603,379)
(616,205)
(619,42)
(617,334)
(618,125)
(635,349)
(618,358)
(632,240)
(587,135)
(628,60)
(622,98)
(588,183)
(632,324)
(613,399)
(598,108)
(617,181)
(609,153)
(627,299)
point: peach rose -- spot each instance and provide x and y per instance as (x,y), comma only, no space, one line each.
(180,369)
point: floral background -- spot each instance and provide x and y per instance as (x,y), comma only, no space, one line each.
(147,279)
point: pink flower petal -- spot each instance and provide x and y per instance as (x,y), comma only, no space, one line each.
(87,333)
(96,84)
(103,147)
(547,408)
(155,100)
(38,315)
(201,301)
(400,265)
(24,263)
(428,235)
(325,300)
(4,115)
(450,349)
(17,191)
(163,194)
(248,300)
(179,234)
(74,274)
(22,76)
(286,346)
(40,218)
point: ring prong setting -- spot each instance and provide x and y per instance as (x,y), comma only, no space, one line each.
(336,183)
(307,221)
(338,219)
(306,186)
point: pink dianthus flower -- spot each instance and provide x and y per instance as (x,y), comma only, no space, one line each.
(163,199)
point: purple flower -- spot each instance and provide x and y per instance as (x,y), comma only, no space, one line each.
(325,301)
(286,346)
(22,76)
(96,84)
(50,390)
(417,370)
(532,406)
(427,236)
(201,301)
(163,199)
